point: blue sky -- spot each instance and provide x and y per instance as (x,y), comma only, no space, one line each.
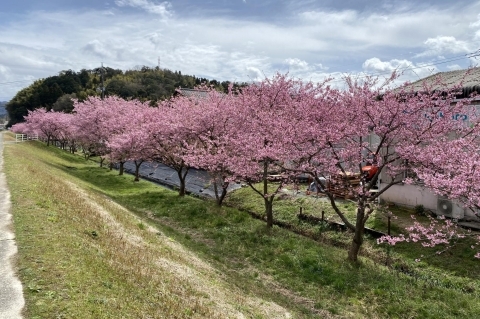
(237,40)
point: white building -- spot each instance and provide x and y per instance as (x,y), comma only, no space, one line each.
(413,195)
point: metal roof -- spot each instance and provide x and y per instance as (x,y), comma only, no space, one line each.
(468,78)
(191,93)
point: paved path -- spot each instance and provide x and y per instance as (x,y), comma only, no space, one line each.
(11,295)
(197,181)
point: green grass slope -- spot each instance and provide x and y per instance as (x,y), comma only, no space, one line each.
(93,244)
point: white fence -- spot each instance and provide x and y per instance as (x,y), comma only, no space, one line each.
(24,137)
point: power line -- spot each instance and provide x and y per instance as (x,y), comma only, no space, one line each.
(13,82)
(410,67)
(422,66)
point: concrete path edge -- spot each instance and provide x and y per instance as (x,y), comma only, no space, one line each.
(11,290)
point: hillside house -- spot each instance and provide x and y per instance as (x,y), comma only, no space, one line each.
(412,195)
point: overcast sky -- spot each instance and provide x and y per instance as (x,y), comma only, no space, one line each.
(236,40)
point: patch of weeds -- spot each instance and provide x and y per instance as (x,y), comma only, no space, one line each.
(323,226)
(34,287)
(420,210)
(91,233)
(97,300)
(50,294)
(52,217)
(220,223)
(107,284)
(240,217)
(287,261)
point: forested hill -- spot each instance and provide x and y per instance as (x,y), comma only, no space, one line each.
(145,83)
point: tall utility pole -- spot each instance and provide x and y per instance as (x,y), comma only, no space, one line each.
(103,86)
(101,89)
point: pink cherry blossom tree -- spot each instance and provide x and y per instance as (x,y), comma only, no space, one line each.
(169,137)
(114,128)
(44,122)
(66,134)
(390,127)
(24,128)
(211,120)
(334,134)
(90,132)
(131,142)
(265,132)
(298,127)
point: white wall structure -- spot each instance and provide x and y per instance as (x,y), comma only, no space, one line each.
(412,195)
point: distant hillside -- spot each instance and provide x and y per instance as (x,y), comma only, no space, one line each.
(3,111)
(144,83)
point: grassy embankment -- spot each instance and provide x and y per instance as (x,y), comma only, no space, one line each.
(82,255)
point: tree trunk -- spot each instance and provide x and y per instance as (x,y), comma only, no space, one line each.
(268,200)
(121,168)
(101,161)
(181,190)
(137,170)
(182,177)
(220,197)
(269,211)
(358,237)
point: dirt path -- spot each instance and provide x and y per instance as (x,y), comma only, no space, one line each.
(11,295)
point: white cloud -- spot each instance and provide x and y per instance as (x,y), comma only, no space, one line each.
(409,71)
(401,28)
(254,74)
(11,83)
(297,64)
(454,67)
(4,71)
(234,47)
(375,65)
(97,48)
(163,9)
(302,69)
(475,24)
(444,45)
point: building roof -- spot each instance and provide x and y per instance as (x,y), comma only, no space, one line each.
(469,78)
(191,93)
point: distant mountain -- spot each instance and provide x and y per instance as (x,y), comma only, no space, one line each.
(3,111)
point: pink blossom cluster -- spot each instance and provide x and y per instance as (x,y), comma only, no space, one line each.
(439,231)
(293,127)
